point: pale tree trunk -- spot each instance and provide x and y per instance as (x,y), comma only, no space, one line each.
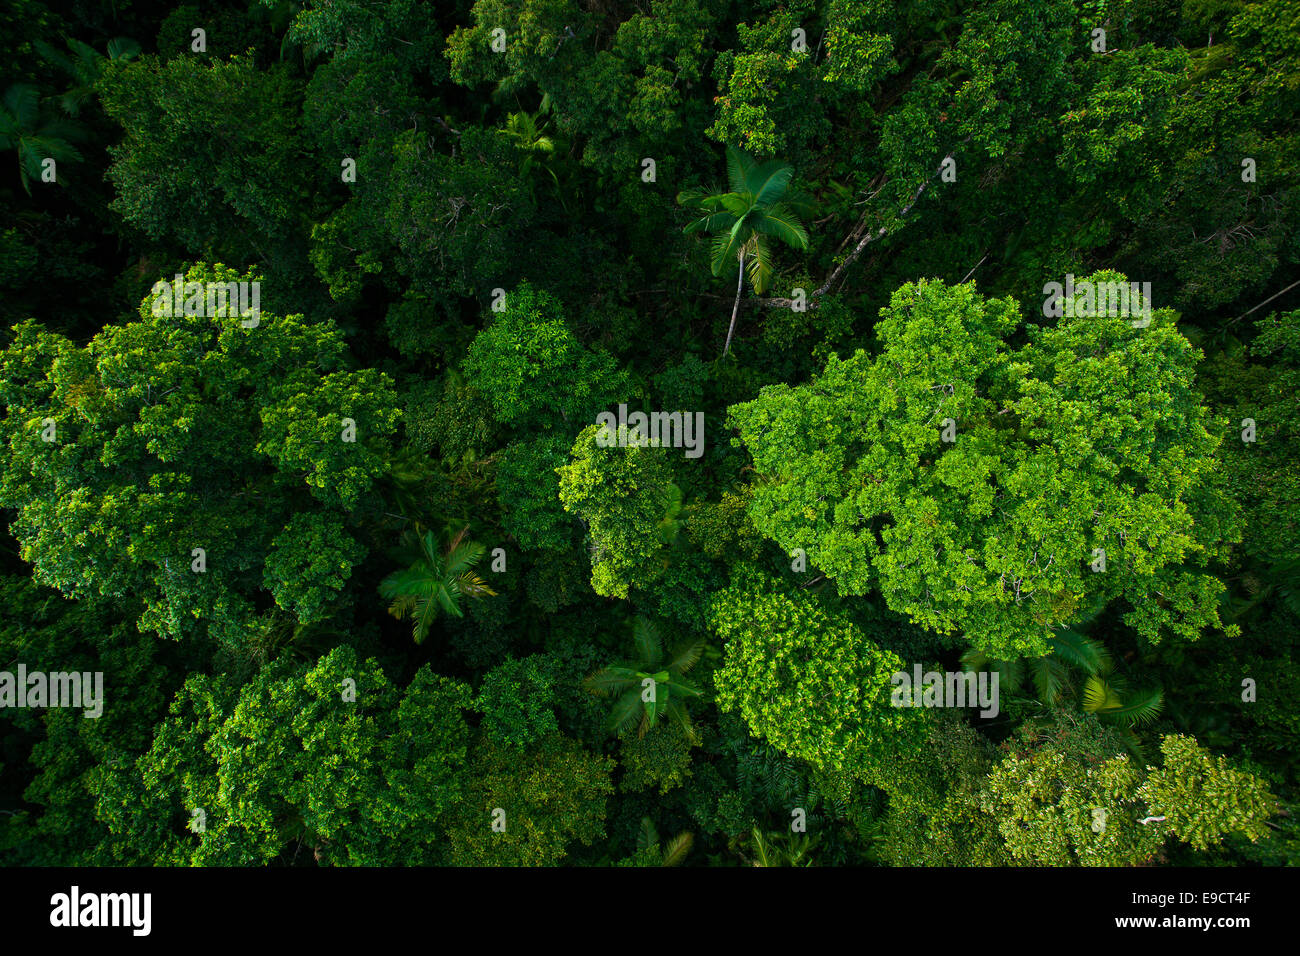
(736,306)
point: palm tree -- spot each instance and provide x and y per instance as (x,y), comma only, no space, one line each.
(538,148)
(1054,676)
(651,685)
(435,581)
(759,205)
(35,138)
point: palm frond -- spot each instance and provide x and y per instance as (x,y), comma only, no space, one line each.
(428,545)
(1010,673)
(471,585)
(680,716)
(759,267)
(611,680)
(780,222)
(446,599)
(706,199)
(1099,695)
(681,688)
(1140,709)
(626,711)
(738,167)
(426,612)
(714,222)
(677,848)
(726,249)
(464,556)
(660,700)
(736,204)
(767,183)
(648,642)
(401,606)
(647,836)
(685,656)
(22,103)
(1078,650)
(408,582)
(122,48)
(1049,677)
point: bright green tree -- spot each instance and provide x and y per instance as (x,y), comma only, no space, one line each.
(533,370)
(517,699)
(807,682)
(329,757)
(1203,798)
(1065,795)
(198,464)
(977,486)
(622,494)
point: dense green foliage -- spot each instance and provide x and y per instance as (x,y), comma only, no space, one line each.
(634,393)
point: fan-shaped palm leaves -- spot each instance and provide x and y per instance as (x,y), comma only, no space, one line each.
(34,136)
(1054,677)
(435,582)
(538,148)
(671,853)
(650,686)
(780,849)
(1109,696)
(759,205)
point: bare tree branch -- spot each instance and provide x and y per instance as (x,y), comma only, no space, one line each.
(872,236)
(1265,302)
(838,272)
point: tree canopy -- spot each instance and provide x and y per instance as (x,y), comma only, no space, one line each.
(662,433)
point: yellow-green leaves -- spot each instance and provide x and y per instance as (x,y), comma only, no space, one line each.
(976,485)
(181,432)
(812,685)
(622,494)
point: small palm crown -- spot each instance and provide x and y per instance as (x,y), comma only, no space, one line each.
(651,685)
(435,582)
(760,205)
